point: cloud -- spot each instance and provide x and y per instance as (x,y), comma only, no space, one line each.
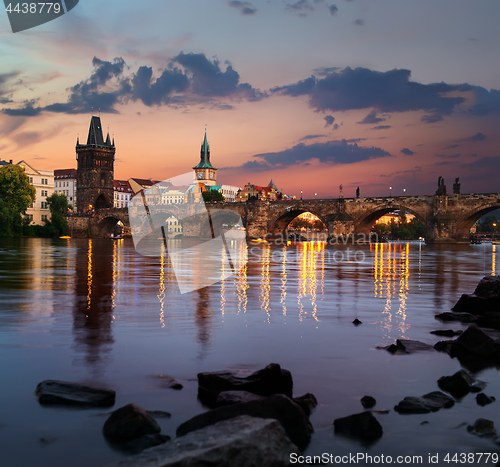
(381,127)
(246,8)
(333,9)
(331,152)
(188,79)
(26,138)
(301,7)
(478,137)
(485,102)
(362,88)
(359,22)
(372,118)
(451,146)
(407,151)
(432,118)
(307,137)
(4,78)
(329,120)
(448,156)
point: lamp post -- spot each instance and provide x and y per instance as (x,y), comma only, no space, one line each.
(315,194)
(404,190)
(390,192)
(300,194)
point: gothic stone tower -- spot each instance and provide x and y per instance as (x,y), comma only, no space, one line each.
(95,172)
(205,172)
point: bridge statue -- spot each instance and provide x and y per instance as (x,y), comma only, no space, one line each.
(341,188)
(441,191)
(456,186)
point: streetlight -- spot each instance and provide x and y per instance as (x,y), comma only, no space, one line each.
(300,194)
(404,190)
(315,194)
(390,192)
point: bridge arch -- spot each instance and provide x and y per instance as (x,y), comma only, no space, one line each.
(364,224)
(279,225)
(468,220)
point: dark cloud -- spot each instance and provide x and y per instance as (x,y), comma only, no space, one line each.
(372,118)
(301,7)
(188,79)
(26,138)
(361,88)
(399,172)
(381,127)
(359,22)
(331,152)
(432,118)
(246,8)
(407,151)
(5,95)
(485,102)
(333,9)
(207,78)
(324,71)
(307,137)
(478,137)
(451,146)
(449,156)
(355,140)
(329,120)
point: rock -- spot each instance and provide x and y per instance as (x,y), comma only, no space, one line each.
(460,384)
(64,393)
(307,402)
(137,445)
(159,413)
(473,348)
(235,397)
(368,402)
(462,317)
(446,333)
(482,399)
(425,422)
(266,382)
(169,382)
(129,422)
(406,346)
(431,402)
(482,427)
(291,416)
(357,321)
(361,425)
(242,441)
(47,440)
(381,411)
(485,298)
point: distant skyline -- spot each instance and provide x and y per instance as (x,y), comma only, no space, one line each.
(309,93)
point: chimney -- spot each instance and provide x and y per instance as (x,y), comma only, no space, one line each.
(10,162)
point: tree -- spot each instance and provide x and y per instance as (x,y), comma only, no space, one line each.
(58,205)
(212,195)
(16,194)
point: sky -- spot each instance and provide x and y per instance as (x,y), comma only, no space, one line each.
(309,93)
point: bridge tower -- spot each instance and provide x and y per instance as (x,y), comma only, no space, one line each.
(95,171)
(205,172)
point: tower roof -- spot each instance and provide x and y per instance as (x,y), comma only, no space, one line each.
(95,137)
(205,155)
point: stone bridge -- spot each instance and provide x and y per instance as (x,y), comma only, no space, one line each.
(448,218)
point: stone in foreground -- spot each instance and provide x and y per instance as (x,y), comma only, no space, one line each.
(169,382)
(266,382)
(460,384)
(485,298)
(242,441)
(279,407)
(407,346)
(129,422)
(368,402)
(362,425)
(431,402)
(482,399)
(482,427)
(64,393)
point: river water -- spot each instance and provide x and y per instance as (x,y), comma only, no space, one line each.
(95,311)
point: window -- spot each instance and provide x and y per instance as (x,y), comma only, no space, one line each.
(44,192)
(31,180)
(44,205)
(31,206)
(30,217)
(44,217)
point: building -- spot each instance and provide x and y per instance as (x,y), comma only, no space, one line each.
(122,193)
(65,184)
(174,195)
(2,163)
(229,192)
(394,217)
(95,172)
(269,192)
(43,180)
(205,172)
(152,188)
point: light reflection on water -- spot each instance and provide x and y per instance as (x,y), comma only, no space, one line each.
(94,310)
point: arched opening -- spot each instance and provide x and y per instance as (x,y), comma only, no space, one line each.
(471,228)
(102,202)
(392,223)
(224,220)
(300,225)
(111,227)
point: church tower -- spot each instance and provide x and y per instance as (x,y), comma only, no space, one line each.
(95,172)
(205,172)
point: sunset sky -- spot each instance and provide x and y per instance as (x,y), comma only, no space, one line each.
(309,93)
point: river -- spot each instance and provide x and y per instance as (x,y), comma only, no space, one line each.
(95,311)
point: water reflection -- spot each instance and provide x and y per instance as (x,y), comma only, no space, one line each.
(94,297)
(493,260)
